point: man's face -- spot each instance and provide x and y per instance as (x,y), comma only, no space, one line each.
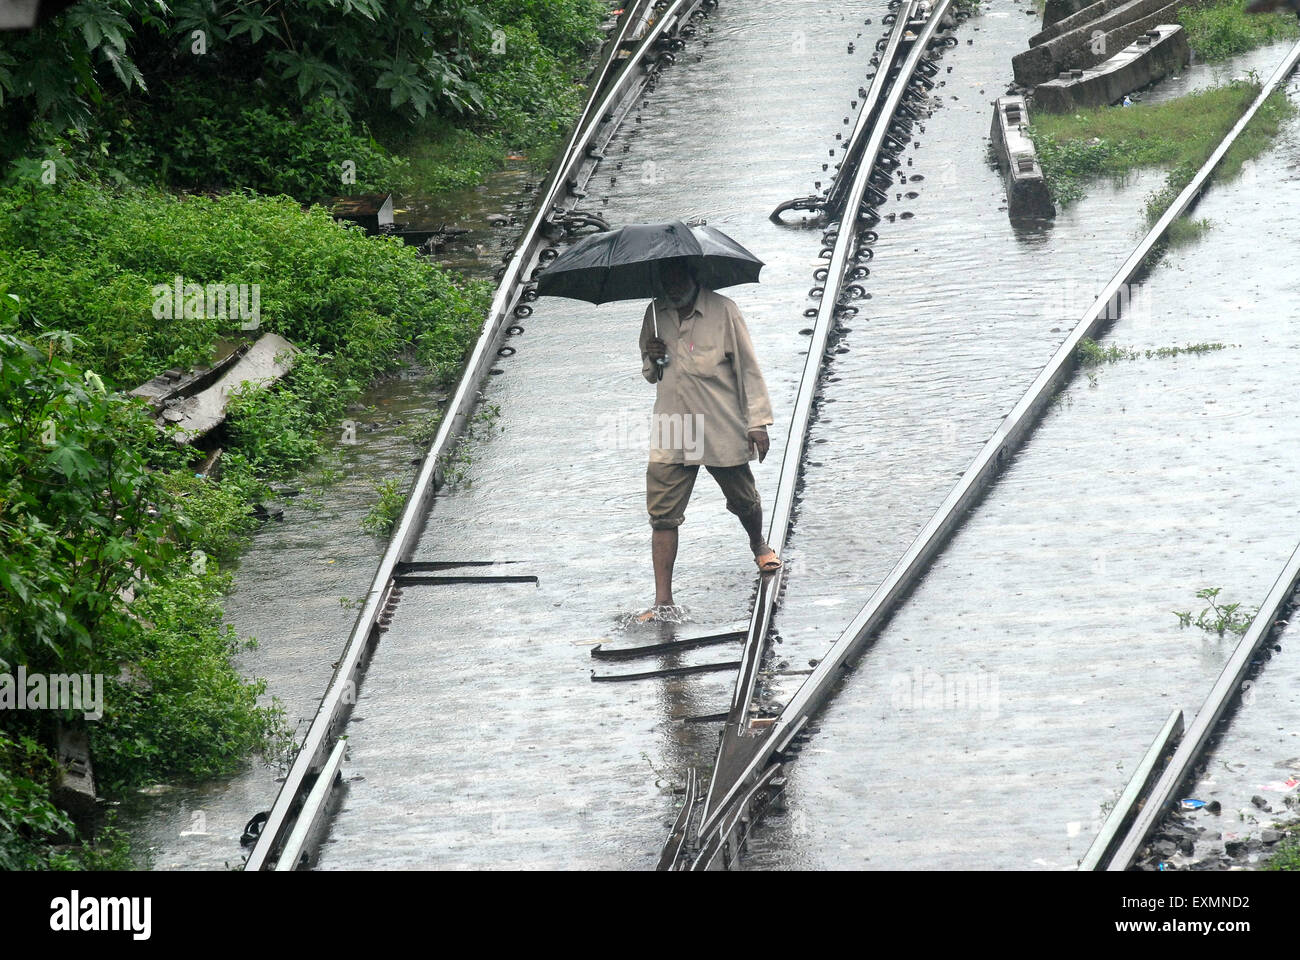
(676,282)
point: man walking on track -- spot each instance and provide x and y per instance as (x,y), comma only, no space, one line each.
(711,410)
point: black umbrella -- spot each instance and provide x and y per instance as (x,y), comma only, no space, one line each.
(620,264)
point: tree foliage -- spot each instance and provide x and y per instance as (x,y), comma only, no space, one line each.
(80,515)
(409,56)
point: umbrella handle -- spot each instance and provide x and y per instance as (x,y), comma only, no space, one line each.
(662,361)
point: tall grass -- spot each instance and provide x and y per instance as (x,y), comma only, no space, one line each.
(1177,134)
(1225,29)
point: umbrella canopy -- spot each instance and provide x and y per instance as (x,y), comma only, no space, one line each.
(620,264)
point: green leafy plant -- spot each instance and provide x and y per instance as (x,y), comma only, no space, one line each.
(383,515)
(264,94)
(1286,855)
(487,418)
(456,462)
(1092,354)
(1217,618)
(79,514)
(28,820)
(425,430)
(111,565)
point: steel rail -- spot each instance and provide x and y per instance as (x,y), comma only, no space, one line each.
(980,474)
(295,852)
(1135,794)
(723,842)
(671,854)
(614,79)
(838,192)
(832,201)
(672,15)
(739,743)
(1226,689)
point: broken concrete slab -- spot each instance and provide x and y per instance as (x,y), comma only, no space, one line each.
(172,385)
(371,211)
(1028,196)
(75,791)
(1094,42)
(1155,54)
(266,361)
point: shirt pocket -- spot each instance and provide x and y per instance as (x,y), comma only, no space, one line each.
(708,356)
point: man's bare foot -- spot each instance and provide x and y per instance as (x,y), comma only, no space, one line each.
(662,612)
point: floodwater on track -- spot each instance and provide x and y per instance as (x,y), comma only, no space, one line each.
(481,720)
(287,593)
(1253,770)
(995,719)
(484,741)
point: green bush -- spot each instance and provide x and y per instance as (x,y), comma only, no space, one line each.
(29,822)
(216,517)
(84,520)
(200,137)
(85,258)
(1286,855)
(175,707)
(80,514)
(565,28)
(529,95)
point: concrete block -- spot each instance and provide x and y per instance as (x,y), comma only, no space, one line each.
(1141,63)
(1094,42)
(1093,11)
(266,362)
(75,792)
(1028,196)
(1057,10)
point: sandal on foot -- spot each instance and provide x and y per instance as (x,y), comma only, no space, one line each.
(768,561)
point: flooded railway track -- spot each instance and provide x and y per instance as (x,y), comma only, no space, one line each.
(1172,760)
(740,777)
(748,773)
(643,42)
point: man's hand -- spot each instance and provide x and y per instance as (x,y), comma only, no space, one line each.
(758,441)
(656,349)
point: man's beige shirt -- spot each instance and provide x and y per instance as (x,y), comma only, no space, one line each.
(712,393)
